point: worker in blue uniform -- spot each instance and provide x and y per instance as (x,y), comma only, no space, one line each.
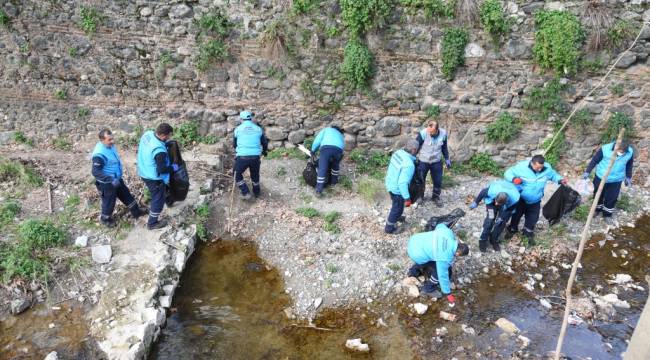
(530,177)
(250,143)
(501,198)
(155,169)
(331,143)
(621,173)
(398,177)
(433,253)
(107,170)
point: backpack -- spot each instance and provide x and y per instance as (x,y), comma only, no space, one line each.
(563,201)
(179,182)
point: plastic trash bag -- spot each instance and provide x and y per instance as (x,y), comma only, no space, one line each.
(584,187)
(450,219)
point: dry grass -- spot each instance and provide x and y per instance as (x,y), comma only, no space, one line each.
(597,18)
(467,11)
(274,40)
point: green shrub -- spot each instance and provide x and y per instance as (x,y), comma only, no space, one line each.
(559,147)
(617,89)
(308,212)
(331,228)
(615,122)
(21,138)
(494,20)
(432,7)
(201,217)
(361,16)
(592,66)
(331,268)
(279,153)
(18,261)
(582,119)
(22,174)
(5,21)
(432,111)
(454,41)
(484,163)
(620,33)
(215,22)
(83,112)
(8,211)
(304,6)
(332,32)
(345,182)
(187,134)
(581,213)
(332,216)
(72,51)
(90,19)
(62,144)
(371,163)
(558,39)
(547,100)
(358,65)
(61,94)
(211,52)
(503,129)
(72,201)
(41,234)
(626,203)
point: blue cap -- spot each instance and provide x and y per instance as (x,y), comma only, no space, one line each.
(245,115)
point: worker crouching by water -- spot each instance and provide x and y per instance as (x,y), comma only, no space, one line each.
(433,253)
(501,199)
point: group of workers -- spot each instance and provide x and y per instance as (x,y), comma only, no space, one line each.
(518,194)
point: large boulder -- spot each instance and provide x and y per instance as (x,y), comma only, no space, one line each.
(389,126)
(440,89)
(518,49)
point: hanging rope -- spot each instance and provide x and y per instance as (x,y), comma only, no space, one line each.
(575,109)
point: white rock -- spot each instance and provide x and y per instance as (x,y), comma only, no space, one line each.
(317,302)
(52,356)
(574,320)
(474,50)
(101,254)
(524,341)
(146,11)
(538,277)
(81,241)
(507,326)
(357,345)
(545,303)
(442,331)
(621,279)
(468,330)
(419,308)
(522,250)
(165,301)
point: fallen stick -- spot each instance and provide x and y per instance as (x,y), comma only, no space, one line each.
(304,149)
(312,327)
(581,248)
(232,199)
(50,201)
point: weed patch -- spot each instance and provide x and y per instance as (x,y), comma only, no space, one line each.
(308,212)
(558,39)
(503,129)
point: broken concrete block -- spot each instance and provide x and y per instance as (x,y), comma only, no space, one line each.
(419,308)
(101,254)
(447,316)
(81,241)
(507,326)
(357,345)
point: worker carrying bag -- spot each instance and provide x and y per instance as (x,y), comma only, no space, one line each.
(179,182)
(563,201)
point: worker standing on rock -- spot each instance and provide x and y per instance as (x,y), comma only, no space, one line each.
(433,253)
(398,177)
(250,143)
(621,173)
(107,170)
(501,199)
(530,177)
(155,168)
(330,141)
(432,149)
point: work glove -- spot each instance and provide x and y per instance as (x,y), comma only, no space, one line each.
(448,163)
(628,181)
(451,299)
(264,153)
(563,181)
(175,167)
(585,175)
(407,203)
(517,181)
(115,183)
(473,205)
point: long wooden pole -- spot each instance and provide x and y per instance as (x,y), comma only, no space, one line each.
(581,247)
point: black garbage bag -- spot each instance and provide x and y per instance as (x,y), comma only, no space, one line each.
(179,182)
(416,187)
(450,219)
(310,174)
(564,200)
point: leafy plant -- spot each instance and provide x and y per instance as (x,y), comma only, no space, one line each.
(361,16)
(5,20)
(332,32)
(372,163)
(330,222)
(558,39)
(448,181)
(308,212)
(547,100)
(581,213)
(72,201)
(18,261)
(21,138)
(346,182)
(83,112)
(615,122)
(279,153)
(8,211)
(432,7)
(62,143)
(90,19)
(211,52)
(503,129)
(61,94)
(617,89)
(331,268)
(592,66)
(188,134)
(494,19)
(166,59)
(582,119)
(215,22)
(454,41)
(553,153)
(72,51)
(484,163)
(41,234)
(432,111)
(201,217)
(22,174)
(358,65)
(620,33)
(332,216)
(304,6)
(626,203)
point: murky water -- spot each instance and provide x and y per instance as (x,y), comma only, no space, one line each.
(230,307)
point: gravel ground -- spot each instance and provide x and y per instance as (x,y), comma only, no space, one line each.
(361,263)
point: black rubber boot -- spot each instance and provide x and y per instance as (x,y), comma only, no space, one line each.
(482,245)
(159,225)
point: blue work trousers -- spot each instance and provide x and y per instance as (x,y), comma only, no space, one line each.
(329,160)
(436,176)
(531,213)
(252,163)
(396,210)
(109,195)
(495,221)
(157,190)
(609,196)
